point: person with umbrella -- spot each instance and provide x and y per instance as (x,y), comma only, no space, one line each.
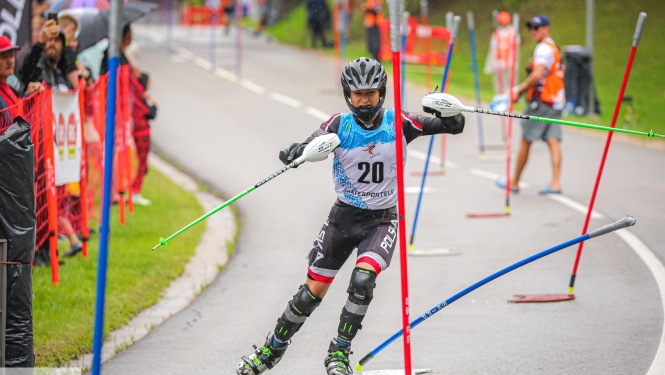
(47,60)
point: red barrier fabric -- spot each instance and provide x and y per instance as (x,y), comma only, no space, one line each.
(425,44)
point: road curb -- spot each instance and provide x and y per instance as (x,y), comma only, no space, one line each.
(209,259)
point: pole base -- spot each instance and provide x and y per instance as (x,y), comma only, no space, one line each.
(485,215)
(434,252)
(541,298)
(429,173)
(393,372)
(495,147)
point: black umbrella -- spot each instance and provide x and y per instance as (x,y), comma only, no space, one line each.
(96,28)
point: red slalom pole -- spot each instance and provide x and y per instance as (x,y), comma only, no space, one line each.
(399,152)
(636,39)
(513,61)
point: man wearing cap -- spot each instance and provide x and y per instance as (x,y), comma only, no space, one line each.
(8,96)
(47,60)
(545,98)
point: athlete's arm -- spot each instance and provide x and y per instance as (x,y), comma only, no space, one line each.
(292,152)
(416,125)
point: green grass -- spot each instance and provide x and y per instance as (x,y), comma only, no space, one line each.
(614,27)
(63,315)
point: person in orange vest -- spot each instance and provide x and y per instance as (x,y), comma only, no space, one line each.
(373,16)
(545,98)
(498,59)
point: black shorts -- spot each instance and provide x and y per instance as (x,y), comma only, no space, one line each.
(373,232)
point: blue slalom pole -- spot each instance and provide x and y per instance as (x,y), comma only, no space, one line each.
(455,25)
(476,82)
(623,223)
(105,228)
(405,25)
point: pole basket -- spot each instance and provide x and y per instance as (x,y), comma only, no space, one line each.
(541,298)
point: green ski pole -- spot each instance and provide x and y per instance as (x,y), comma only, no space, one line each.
(446,105)
(317,150)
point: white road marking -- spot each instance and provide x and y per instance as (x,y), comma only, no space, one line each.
(203,63)
(184,52)
(416,190)
(285,100)
(432,159)
(251,86)
(494,176)
(226,75)
(316,113)
(575,205)
(658,271)
(177,59)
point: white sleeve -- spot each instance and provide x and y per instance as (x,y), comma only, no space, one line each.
(543,55)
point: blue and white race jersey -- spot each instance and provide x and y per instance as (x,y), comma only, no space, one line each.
(364,169)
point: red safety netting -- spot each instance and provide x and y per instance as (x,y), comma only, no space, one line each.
(69,209)
(36,110)
(424,44)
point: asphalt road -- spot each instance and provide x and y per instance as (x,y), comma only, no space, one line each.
(228,135)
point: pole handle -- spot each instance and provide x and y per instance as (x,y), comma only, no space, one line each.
(626,222)
(469,20)
(405,23)
(456,21)
(394,25)
(423,8)
(638,29)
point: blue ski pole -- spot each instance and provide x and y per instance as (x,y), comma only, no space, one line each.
(476,82)
(620,224)
(453,33)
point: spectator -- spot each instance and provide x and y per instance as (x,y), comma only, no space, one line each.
(229,7)
(70,27)
(546,98)
(144,108)
(124,43)
(8,96)
(48,62)
(318,19)
(373,16)
(498,59)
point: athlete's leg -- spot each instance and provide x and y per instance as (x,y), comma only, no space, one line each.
(323,267)
(555,151)
(374,254)
(522,158)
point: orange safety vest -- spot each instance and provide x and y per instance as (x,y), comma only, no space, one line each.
(551,91)
(504,40)
(373,18)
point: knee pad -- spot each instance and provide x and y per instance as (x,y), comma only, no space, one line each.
(361,287)
(302,305)
(361,292)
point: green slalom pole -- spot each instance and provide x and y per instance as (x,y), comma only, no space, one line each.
(164,242)
(649,134)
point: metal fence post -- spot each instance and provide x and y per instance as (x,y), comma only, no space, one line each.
(3,300)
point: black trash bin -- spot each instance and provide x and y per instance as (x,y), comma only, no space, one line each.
(578,80)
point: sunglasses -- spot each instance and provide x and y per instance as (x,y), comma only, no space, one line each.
(534,28)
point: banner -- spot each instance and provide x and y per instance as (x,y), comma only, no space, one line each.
(16,24)
(68,138)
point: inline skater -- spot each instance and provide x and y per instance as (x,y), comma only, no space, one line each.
(363,217)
